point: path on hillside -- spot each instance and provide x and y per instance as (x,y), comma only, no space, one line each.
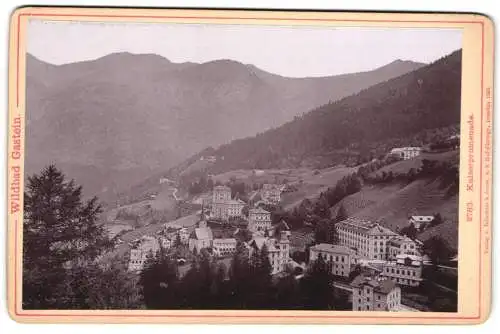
(174,193)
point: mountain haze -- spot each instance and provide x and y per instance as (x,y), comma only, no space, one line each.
(112,121)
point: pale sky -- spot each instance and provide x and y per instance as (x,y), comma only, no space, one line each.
(288,51)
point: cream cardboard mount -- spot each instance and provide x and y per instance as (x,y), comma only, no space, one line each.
(302,192)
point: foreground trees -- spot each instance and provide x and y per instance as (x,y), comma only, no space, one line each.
(62,240)
(247,284)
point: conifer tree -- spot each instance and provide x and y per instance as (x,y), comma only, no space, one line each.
(159,280)
(60,231)
(317,287)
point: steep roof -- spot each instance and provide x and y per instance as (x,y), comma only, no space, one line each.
(225,240)
(222,188)
(329,248)
(270,186)
(256,196)
(202,233)
(235,201)
(365,226)
(383,286)
(415,259)
(259,242)
(283,225)
(399,240)
(399,149)
(380,230)
(258,210)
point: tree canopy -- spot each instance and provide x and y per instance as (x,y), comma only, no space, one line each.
(62,240)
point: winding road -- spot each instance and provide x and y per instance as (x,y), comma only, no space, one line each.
(174,193)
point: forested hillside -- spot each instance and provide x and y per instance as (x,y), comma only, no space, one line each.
(396,111)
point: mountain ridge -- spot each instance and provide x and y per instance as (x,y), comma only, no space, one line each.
(127,112)
(387,112)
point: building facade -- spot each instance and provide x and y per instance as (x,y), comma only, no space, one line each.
(278,251)
(375,294)
(405,270)
(138,255)
(401,245)
(259,220)
(406,153)
(223,207)
(221,194)
(368,239)
(420,221)
(340,259)
(184,235)
(224,247)
(271,193)
(201,237)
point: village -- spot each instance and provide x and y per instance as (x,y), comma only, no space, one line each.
(374,264)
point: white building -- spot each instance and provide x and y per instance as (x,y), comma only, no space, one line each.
(375,294)
(222,206)
(138,255)
(401,245)
(184,235)
(369,239)
(406,270)
(221,194)
(278,251)
(406,152)
(259,220)
(210,158)
(271,193)
(166,243)
(341,259)
(224,247)
(201,237)
(420,221)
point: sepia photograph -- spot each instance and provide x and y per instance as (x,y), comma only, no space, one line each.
(207,166)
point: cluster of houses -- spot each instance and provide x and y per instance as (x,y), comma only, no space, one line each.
(222,207)
(149,245)
(388,260)
(277,244)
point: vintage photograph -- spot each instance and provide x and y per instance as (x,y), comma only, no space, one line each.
(182,166)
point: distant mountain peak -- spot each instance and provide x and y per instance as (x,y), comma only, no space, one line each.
(400,61)
(125,55)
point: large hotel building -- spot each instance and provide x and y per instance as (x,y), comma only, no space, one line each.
(369,239)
